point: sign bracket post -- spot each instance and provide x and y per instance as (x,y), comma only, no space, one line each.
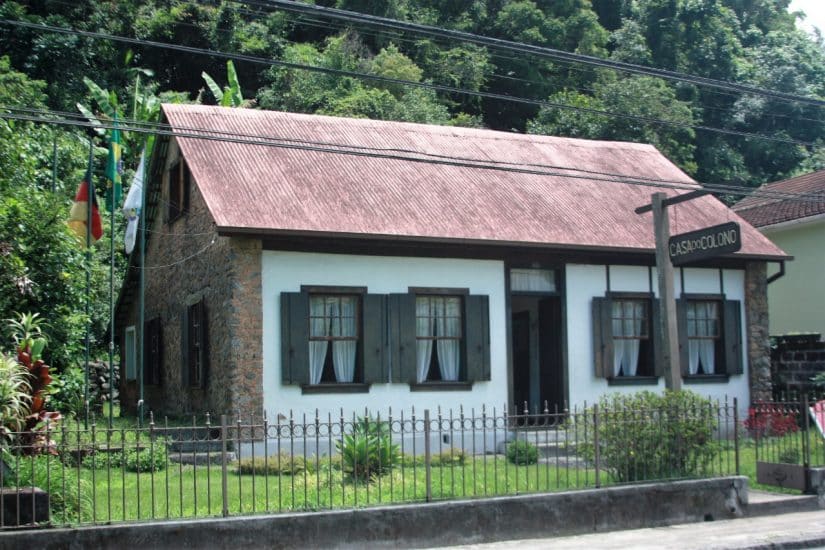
(669,354)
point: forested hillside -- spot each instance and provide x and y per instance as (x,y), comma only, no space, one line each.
(762,138)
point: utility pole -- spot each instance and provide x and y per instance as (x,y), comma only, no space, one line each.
(669,354)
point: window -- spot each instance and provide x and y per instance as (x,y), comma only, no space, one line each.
(153,348)
(179,181)
(532,280)
(333,338)
(438,321)
(194,345)
(131,357)
(710,342)
(623,337)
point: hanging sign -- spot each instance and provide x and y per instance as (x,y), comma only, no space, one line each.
(705,243)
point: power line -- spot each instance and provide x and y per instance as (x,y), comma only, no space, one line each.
(384,22)
(388,80)
(397,154)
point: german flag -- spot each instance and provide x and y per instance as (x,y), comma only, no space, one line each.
(80,208)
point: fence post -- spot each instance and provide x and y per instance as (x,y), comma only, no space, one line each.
(806,441)
(736,433)
(224,492)
(427,457)
(596,453)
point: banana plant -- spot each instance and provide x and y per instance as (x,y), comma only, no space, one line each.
(231,95)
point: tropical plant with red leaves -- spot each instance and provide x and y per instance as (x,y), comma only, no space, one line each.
(770,421)
(30,341)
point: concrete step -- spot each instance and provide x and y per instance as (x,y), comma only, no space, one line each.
(198,446)
(764,503)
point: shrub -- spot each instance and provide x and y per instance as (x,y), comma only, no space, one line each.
(652,436)
(770,422)
(451,457)
(67,392)
(15,397)
(282,464)
(147,459)
(521,452)
(368,450)
(789,456)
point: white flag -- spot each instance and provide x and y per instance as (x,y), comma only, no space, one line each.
(131,206)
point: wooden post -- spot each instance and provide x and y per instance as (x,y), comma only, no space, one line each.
(669,354)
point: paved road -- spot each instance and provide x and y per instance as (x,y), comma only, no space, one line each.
(796,530)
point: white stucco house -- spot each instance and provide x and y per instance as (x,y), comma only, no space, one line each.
(307,263)
(797,300)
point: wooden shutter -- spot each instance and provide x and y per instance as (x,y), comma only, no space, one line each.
(402,337)
(294,338)
(374,331)
(602,337)
(203,339)
(732,337)
(152,350)
(656,338)
(184,347)
(196,344)
(682,329)
(477,337)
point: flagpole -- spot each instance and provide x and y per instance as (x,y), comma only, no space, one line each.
(90,189)
(112,309)
(141,313)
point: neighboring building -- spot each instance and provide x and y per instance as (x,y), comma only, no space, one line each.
(332,263)
(797,300)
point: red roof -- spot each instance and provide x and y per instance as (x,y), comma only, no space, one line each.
(760,211)
(355,177)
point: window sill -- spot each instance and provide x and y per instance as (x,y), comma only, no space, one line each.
(442,386)
(334,387)
(633,381)
(706,379)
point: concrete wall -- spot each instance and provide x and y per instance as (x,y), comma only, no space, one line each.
(422,525)
(584,282)
(797,300)
(287,271)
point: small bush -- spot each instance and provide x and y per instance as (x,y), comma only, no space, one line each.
(450,457)
(521,452)
(283,464)
(652,436)
(368,450)
(770,422)
(66,392)
(789,456)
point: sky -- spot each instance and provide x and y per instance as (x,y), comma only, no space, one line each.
(814,11)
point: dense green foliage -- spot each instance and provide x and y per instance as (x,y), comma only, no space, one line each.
(748,41)
(368,450)
(652,436)
(522,452)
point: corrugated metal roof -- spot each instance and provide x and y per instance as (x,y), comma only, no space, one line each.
(762,211)
(275,190)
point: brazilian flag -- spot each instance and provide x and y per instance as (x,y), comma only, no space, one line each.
(114,168)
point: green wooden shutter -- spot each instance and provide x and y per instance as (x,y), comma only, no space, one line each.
(184,346)
(375,338)
(682,329)
(402,337)
(294,338)
(477,337)
(602,337)
(656,337)
(732,326)
(203,349)
(157,360)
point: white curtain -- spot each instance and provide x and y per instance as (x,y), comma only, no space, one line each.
(703,320)
(343,351)
(319,326)
(532,280)
(627,328)
(631,346)
(424,346)
(449,324)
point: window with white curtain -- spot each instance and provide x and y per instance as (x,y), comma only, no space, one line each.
(630,321)
(438,321)
(703,335)
(333,338)
(532,280)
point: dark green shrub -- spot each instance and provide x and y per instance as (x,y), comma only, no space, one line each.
(789,455)
(66,394)
(368,450)
(522,452)
(283,464)
(648,435)
(145,460)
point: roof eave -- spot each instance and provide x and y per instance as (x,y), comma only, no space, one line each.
(255,232)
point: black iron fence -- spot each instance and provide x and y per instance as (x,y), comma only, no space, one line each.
(223,466)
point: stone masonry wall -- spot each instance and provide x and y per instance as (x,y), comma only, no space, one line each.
(186,260)
(794,362)
(757,332)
